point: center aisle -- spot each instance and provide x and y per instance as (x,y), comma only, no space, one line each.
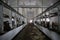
(30,32)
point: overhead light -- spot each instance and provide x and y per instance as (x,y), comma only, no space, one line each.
(47,13)
(12,19)
(43,19)
(47,19)
(43,14)
(51,3)
(31,21)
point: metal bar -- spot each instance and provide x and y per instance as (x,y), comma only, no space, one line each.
(9,7)
(29,6)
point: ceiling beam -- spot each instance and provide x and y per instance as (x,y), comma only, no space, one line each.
(49,8)
(9,7)
(29,6)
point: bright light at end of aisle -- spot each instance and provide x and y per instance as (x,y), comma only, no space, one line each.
(31,21)
(47,19)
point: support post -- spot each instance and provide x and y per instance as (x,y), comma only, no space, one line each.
(1,19)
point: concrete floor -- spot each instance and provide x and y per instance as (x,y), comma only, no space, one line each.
(30,32)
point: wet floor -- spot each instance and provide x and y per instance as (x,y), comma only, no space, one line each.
(31,32)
